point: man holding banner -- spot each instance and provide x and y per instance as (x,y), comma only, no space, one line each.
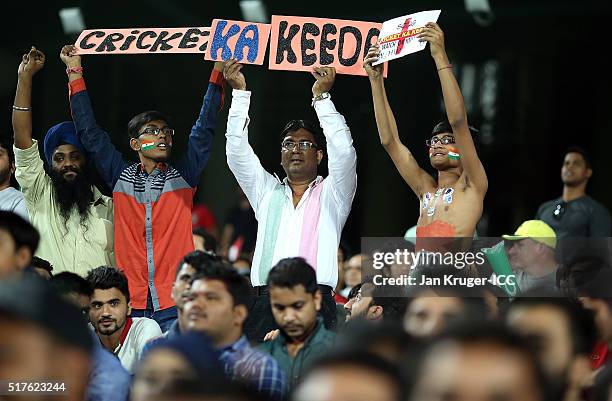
(304,214)
(452,206)
(152,199)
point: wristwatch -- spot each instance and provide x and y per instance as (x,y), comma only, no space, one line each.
(320,96)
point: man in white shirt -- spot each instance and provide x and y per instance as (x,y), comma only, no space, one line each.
(11,199)
(110,315)
(304,214)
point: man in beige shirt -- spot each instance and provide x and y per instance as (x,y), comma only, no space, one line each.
(73,218)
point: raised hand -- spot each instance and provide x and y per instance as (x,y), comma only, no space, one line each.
(31,63)
(433,34)
(373,71)
(233,75)
(325,79)
(69,56)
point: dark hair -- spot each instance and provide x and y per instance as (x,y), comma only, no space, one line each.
(65,283)
(144,118)
(198,260)
(22,232)
(295,125)
(291,272)
(107,277)
(41,263)
(580,320)
(358,359)
(210,242)
(580,151)
(8,146)
(236,284)
(445,126)
(354,291)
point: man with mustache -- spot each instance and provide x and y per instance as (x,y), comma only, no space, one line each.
(109,313)
(73,218)
(153,199)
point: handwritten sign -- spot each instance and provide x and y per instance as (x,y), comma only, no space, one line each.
(301,43)
(244,41)
(398,37)
(143,40)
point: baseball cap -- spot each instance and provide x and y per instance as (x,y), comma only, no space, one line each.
(536,230)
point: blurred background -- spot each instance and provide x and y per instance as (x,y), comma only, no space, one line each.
(534,75)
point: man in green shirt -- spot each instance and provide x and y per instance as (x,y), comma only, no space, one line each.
(296,301)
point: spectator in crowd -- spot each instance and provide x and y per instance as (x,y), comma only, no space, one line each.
(600,303)
(202,217)
(11,199)
(170,360)
(351,376)
(565,334)
(296,301)
(374,303)
(451,206)
(532,256)
(42,267)
(73,218)
(574,213)
(108,380)
(479,361)
(431,309)
(204,240)
(240,230)
(153,199)
(352,272)
(304,214)
(18,242)
(217,307)
(350,300)
(42,338)
(110,310)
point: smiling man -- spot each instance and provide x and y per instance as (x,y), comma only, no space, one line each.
(451,205)
(153,199)
(304,214)
(73,218)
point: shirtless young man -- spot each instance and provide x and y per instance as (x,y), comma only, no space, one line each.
(452,206)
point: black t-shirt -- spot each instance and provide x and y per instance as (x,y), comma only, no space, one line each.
(582,217)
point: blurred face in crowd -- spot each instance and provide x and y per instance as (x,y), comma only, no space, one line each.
(346,383)
(428,313)
(360,306)
(575,171)
(27,351)
(158,371)
(352,271)
(521,253)
(12,260)
(475,372)
(6,167)
(602,315)
(300,163)
(181,286)
(109,311)
(295,310)
(550,329)
(211,310)
(439,151)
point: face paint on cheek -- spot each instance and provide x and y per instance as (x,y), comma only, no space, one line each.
(453,153)
(147,145)
(430,152)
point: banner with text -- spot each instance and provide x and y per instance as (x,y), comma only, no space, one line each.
(244,41)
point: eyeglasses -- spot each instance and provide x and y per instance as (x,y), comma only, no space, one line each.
(301,145)
(155,131)
(445,140)
(559,210)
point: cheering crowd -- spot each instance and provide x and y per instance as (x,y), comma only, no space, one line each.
(124,298)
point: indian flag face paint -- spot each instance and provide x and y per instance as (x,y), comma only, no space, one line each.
(453,154)
(147,145)
(430,152)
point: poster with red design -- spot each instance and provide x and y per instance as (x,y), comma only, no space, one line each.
(398,37)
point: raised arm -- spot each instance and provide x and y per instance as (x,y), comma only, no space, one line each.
(96,141)
(417,178)
(342,158)
(254,180)
(455,107)
(31,63)
(202,132)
